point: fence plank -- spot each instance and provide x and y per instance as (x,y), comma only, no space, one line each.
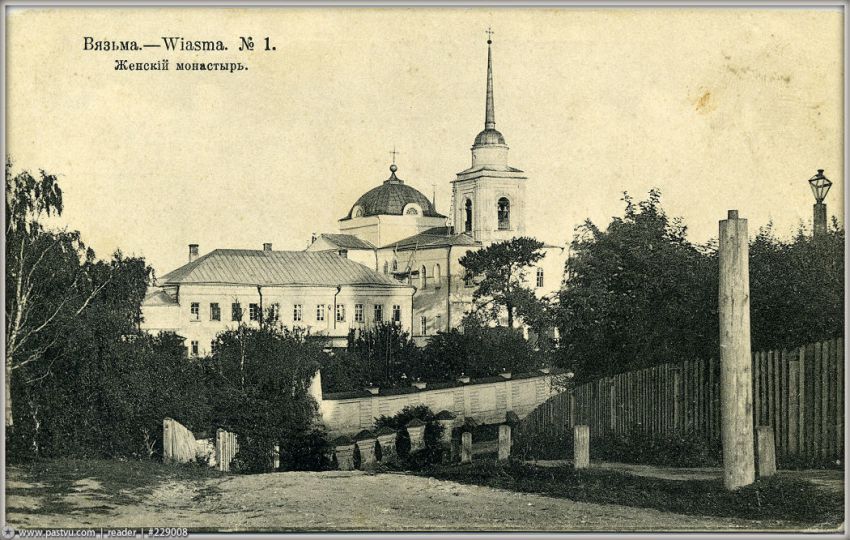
(839,398)
(793,406)
(801,384)
(824,427)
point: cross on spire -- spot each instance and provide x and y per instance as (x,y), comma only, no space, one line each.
(394,154)
(489,33)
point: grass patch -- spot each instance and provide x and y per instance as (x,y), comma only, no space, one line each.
(776,498)
(56,482)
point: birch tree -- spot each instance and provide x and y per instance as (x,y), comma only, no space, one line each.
(46,280)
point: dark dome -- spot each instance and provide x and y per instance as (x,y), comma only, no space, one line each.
(489,136)
(390,198)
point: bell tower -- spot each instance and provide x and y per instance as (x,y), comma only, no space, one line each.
(489,197)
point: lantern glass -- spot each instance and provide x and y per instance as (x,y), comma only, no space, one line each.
(820,185)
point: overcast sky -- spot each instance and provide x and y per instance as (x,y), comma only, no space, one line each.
(719,109)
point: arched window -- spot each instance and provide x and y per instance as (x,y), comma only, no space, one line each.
(395,265)
(423,281)
(539,277)
(467,222)
(386,267)
(436,276)
(504,214)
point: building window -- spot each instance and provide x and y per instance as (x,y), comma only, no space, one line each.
(504,214)
(379,313)
(468,279)
(340,313)
(274,312)
(386,267)
(436,276)
(423,278)
(358,313)
(195,310)
(296,313)
(236,311)
(412,211)
(438,323)
(194,348)
(215,311)
(539,277)
(423,325)
(395,265)
(254,312)
(320,312)
(396,313)
(467,222)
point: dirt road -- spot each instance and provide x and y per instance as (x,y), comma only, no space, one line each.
(342,501)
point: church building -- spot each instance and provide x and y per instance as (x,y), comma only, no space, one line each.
(395,258)
(394,229)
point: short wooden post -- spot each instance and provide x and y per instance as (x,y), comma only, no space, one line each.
(581,447)
(466,447)
(767,451)
(504,442)
(736,391)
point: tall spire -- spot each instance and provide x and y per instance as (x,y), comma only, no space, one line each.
(490,114)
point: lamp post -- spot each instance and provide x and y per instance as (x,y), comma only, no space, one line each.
(820,185)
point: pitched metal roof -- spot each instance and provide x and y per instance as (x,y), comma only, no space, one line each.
(348,241)
(258,267)
(435,237)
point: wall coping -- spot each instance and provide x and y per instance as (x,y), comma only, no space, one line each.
(432,386)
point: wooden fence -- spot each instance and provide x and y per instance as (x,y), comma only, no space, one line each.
(799,393)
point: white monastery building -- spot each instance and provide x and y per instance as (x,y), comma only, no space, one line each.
(395,258)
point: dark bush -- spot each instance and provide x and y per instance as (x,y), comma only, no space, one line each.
(255,455)
(432,453)
(308,451)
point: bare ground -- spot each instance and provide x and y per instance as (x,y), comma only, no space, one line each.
(334,500)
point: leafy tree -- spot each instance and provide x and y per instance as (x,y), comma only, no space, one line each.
(500,270)
(637,294)
(48,284)
(476,351)
(796,288)
(381,357)
(259,380)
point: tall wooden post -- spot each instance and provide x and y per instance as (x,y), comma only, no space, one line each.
(736,390)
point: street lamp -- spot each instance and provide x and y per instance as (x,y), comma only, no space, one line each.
(820,185)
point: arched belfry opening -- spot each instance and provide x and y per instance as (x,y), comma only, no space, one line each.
(467,220)
(504,214)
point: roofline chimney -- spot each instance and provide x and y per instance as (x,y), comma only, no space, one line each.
(267,246)
(193,252)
